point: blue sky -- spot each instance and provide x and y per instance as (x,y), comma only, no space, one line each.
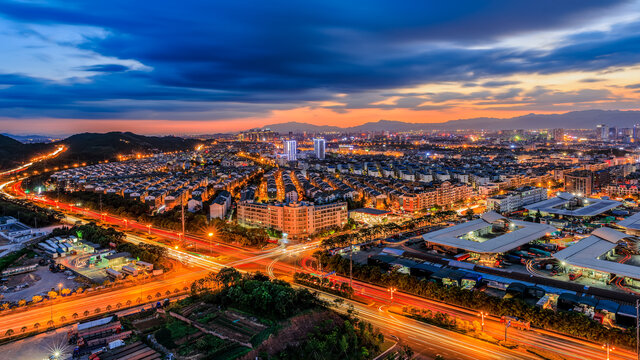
(200,66)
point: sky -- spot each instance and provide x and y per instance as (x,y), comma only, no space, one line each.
(161,67)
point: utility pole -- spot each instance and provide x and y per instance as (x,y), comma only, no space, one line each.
(638,328)
(182,213)
(351,264)
(506,326)
(609,349)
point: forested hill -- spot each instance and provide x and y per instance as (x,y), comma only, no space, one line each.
(91,147)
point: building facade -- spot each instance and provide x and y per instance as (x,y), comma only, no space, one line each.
(558,135)
(515,200)
(290,149)
(295,219)
(579,182)
(220,205)
(319,145)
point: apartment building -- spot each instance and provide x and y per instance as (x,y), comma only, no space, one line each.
(579,182)
(515,200)
(220,205)
(448,193)
(295,219)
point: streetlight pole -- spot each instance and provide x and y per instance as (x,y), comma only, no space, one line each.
(392,290)
(210,246)
(638,328)
(351,264)
(506,326)
(149,229)
(182,212)
(609,350)
(482,315)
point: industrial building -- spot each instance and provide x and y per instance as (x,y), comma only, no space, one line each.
(491,234)
(566,204)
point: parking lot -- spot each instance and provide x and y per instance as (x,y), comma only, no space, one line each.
(46,280)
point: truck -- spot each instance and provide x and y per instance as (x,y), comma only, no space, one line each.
(575,275)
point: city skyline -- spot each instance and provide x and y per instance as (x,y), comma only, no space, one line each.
(219,68)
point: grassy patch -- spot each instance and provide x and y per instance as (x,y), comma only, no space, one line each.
(258,338)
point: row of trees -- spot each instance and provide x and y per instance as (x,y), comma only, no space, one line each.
(194,222)
(384,230)
(324,284)
(28,213)
(569,323)
(111,203)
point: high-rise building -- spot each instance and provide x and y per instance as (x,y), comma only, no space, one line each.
(290,149)
(319,147)
(602,132)
(636,131)
(613,133)
(579,182)
(558,135)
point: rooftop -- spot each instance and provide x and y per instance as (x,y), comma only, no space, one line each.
(632,222)
(462,236)
(587,252)
(571,205)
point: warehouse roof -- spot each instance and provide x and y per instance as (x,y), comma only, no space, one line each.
(518,234)
(557,205)
(587,253)
(632,222)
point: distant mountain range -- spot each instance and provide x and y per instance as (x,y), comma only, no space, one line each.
(587,119)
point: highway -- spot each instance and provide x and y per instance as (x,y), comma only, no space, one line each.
(568,347)
(429,340)
(55,310)
(24,167)
(281,262)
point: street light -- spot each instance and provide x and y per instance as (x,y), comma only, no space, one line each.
(149,229)
(392,290)
(609,349)
(210,236)
(482,315)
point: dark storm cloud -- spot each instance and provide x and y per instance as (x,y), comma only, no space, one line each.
(276,54)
